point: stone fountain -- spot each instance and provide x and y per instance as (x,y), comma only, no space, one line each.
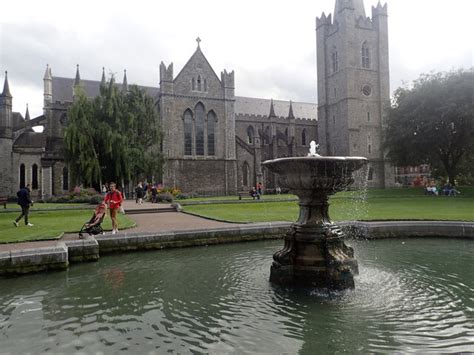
(314,254)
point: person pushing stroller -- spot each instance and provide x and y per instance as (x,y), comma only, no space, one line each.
(113,199)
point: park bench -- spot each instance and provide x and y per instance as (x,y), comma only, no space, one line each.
(3,201)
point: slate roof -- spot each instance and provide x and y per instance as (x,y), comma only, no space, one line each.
(31,139)
(62,91)
(62,88)
(17,119)
(257,106)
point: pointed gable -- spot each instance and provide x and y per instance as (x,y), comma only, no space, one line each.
(198,78)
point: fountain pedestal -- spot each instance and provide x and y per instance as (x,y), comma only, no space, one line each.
(314,253)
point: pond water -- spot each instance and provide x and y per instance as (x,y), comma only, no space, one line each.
(412,295)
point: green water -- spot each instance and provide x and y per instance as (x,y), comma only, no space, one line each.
(411,296)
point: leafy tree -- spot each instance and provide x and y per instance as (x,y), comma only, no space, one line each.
(80,150)
(432,122)
(114,137)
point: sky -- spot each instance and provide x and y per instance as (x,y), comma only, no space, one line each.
(270,44)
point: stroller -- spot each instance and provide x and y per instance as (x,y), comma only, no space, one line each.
(93,227)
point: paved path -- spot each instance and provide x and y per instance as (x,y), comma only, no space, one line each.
(166,221)
(146,222)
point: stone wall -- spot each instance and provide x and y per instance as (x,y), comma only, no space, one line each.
(6,170)
(202,176)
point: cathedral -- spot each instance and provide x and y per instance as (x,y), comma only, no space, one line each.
(213,141)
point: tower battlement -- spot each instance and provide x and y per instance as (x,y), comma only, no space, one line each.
(227,79)
(364,22)
(276,119)
(166,73)
(323,20)
(379,10)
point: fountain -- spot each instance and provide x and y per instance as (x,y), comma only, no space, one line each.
(314,253)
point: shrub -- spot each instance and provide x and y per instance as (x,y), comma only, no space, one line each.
(96,199)
(182,196)
(171,190)
(164,197)
(92,199)
(83,192)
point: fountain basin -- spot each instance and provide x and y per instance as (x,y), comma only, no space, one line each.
(413,295)
(316,174)
(314,254)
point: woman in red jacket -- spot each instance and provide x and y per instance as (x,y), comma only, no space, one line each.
(113,199)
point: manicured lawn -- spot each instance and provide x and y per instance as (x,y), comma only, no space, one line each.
(466,191)
(396,204)
(50,224)
(47,206)
(236,198)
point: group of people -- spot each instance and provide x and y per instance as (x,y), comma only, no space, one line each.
(256,191)
(113,200)
(146,191)
(446,190)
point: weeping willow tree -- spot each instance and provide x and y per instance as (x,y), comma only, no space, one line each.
(114,137)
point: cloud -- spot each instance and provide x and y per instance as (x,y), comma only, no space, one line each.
(270,45)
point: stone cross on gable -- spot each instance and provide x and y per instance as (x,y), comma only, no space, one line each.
(198,40)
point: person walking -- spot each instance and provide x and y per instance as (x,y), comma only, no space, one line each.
(139,193)
(25,202)
(113,199)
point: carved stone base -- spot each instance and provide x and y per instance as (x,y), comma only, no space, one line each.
(314,256)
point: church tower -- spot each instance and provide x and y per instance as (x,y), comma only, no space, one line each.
(353,84)
(6,139)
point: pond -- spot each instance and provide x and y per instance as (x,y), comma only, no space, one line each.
(412,295)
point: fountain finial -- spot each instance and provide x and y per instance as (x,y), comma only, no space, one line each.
(313,149)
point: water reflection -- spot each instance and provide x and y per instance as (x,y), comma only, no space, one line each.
(415,296)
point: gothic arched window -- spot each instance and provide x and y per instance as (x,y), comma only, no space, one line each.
(245,174)
(211,135)
(199,127)
(365,56)
(199,82)
(22,176)
(334,60)
(303,137)
(267,135)
(250,134)
(369,144)
(370,175)
(34,177)
(205,85)
(188,132)
(65,179)
(193,81)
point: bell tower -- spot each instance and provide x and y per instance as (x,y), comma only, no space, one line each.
(353,84)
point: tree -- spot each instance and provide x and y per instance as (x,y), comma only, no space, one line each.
(433,123)
(114,137)
(80,149)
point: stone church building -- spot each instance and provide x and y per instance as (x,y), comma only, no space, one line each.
(214,142)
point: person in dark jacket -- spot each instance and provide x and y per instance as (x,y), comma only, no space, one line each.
(25,202)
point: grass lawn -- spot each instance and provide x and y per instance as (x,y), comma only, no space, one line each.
(390,204)
(46,206)
(50,224)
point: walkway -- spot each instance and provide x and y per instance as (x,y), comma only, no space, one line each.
(148,220)
(151,221)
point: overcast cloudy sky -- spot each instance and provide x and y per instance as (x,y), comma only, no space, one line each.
(271,44)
